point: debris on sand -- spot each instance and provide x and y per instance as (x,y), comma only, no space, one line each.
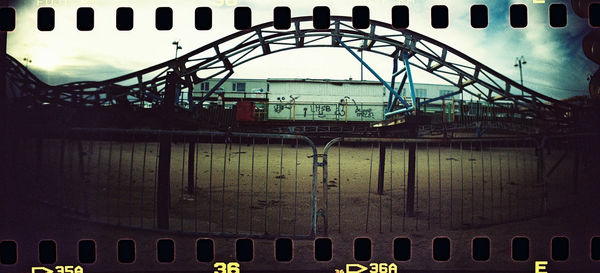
(261,204)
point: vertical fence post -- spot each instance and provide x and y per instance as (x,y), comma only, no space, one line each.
(381,168)
(191,164)
(410,186)
(443,111)
(541,173)
(462,110)
(325,199)
(453,107)
(164,165)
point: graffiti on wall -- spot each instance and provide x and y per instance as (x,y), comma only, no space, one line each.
(361,112)
(323,110)
(280,107)
(364,113)
(284,105)
(331,111)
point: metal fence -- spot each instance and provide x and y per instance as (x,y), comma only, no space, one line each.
(221,184)
(265,185)
(398,185)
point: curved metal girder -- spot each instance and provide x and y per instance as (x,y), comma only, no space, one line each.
(147,85)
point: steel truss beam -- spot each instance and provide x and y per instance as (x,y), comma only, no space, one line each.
(147,85)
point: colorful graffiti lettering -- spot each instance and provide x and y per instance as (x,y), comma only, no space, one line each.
(328,111)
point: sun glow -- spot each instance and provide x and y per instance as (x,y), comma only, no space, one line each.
(45,59)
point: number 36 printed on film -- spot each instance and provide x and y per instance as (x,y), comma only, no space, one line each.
(232,267)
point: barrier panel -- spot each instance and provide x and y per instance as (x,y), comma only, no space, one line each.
(256,185)
(218,184)
(429,184)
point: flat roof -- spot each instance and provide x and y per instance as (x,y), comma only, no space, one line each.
(332,81)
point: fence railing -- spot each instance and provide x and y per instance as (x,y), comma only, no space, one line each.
(265,185)
(399,185)
(222,184)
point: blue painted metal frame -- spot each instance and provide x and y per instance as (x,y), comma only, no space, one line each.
(441,97)
(394,96)
(400,111)
(392,100)
(373,72)
(410,81)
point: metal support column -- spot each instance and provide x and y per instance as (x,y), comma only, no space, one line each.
(324,212)
(410,81)
(410,186)
(381,168)
(387,86)
(191,164)
(163,193)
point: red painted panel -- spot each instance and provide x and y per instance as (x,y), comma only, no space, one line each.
(245,111)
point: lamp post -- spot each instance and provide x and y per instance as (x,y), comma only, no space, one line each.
(519,62)
(177,47)
(27,61)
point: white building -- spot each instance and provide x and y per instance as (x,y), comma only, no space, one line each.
(314,99)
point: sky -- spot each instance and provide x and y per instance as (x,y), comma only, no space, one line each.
(556,65)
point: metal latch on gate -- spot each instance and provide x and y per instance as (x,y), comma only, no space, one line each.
(320,164)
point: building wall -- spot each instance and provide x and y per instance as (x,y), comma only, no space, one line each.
(430,90)
(322,100)
(298,99)
(227,86)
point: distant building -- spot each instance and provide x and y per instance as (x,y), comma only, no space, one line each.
(240,86)
(315,99)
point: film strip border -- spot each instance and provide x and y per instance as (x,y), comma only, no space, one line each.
(283,250)
(400,17)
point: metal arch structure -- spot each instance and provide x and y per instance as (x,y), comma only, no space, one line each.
(219,58)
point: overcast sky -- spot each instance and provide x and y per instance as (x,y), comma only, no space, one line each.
(556,65)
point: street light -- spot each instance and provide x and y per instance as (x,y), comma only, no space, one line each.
(519,62)
(177,47)
(27,61)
